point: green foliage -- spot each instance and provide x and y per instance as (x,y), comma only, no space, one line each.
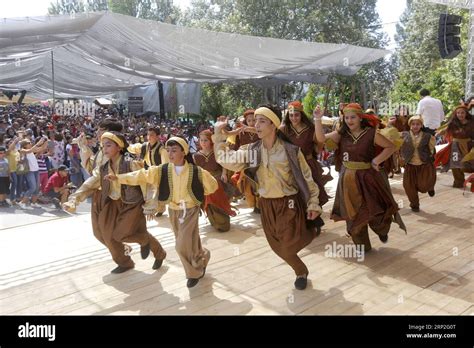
(343,21)
(75,6)
(418,60)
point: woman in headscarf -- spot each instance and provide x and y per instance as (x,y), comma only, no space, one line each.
(217,205)
(459,132)
(300,131)
(363,196)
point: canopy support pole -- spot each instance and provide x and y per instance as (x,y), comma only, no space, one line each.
(161,100)
(52,77)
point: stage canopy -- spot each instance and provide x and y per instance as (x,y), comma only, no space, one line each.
(96,54)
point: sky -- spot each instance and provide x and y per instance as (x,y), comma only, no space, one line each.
(389,11)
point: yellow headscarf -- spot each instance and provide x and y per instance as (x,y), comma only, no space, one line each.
(181,142)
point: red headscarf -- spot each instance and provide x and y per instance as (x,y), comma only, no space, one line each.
(296,105)
(373,120)
(249,112)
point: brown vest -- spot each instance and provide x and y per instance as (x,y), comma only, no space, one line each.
(292,154)
(129,194)
(408,148)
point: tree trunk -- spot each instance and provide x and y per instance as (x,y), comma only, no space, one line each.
(341,96)
(326,96)
(353,87)
(363,97)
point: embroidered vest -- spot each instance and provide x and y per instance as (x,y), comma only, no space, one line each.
(408,148)
(155,156)
(129,194)
(195,186)
(292,155)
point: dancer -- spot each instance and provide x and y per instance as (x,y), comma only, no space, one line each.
(117,215)
(417,152)
(217,205)
(300,131)
(288,195)
(460,134)
(182,186)
(363,196)
(152,153)
(247,135)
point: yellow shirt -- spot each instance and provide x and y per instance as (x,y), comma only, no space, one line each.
(415,160)
(275,179)
(12,158)
(151,176)
(94,183)
(136,149)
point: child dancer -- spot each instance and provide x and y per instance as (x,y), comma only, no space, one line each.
(417,152)
(117,217)
(183,186)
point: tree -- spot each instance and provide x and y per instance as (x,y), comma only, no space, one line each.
(159,10)
(355,22)
(418,61)
(76,6)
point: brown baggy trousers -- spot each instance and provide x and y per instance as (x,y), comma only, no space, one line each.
(188,242)
(117,223)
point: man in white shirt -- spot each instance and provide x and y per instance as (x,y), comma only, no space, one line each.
(431,109)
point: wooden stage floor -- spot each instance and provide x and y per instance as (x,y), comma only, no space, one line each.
(51,264)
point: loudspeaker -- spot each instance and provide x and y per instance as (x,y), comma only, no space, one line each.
(449,42)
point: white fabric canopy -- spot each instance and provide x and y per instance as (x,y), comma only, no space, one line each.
(100,53)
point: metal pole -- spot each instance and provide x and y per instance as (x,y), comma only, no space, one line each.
(469,56)
(161,100)
(52,77)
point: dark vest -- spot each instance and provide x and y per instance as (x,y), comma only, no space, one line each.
(129,194)
(196,188)
(408,148)
(292,154)
(155,150)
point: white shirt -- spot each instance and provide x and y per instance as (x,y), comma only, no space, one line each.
(178,169)
(192,141)
(432,112)
(32,162)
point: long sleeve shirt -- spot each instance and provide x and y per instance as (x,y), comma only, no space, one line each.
(136,149)
(180,193)
(93,183)
(275,180)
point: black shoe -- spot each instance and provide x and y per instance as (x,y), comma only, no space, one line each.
(145,251)
(301,283)
(415,209)
(192,282)
(121,269)
(256,210)
(431,193)
(57,203)
(384,239)
(157,264)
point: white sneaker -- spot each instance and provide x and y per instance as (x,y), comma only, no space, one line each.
(22,205)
